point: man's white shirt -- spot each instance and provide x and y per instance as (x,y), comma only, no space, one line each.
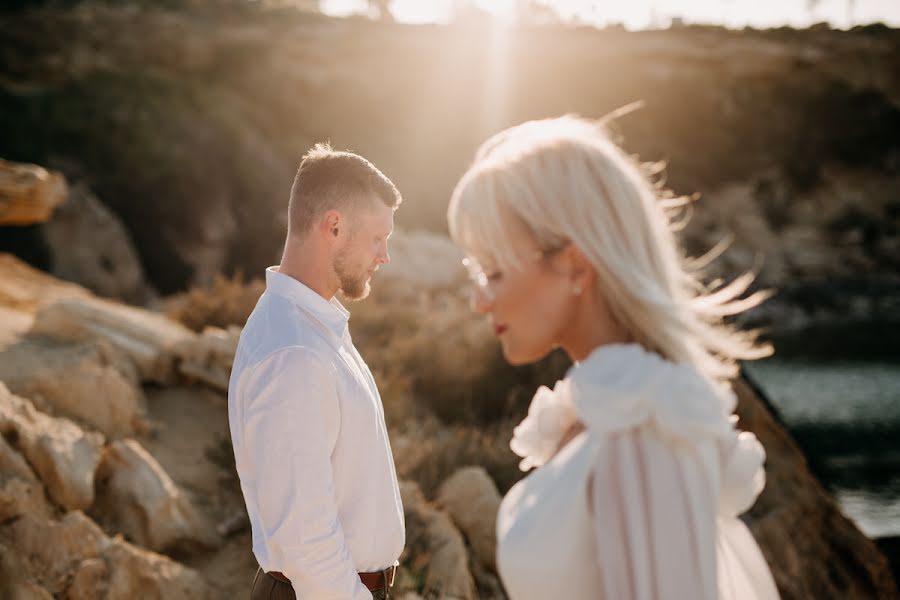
(311,446)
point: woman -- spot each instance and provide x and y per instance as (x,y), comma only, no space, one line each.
(641,471)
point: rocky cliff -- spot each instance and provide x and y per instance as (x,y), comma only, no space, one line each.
(188,125)
(117,478)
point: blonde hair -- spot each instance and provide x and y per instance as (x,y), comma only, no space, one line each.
(564,180)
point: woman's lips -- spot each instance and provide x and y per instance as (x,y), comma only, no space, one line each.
(499,329)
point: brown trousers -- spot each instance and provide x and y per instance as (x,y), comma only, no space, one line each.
(266,587)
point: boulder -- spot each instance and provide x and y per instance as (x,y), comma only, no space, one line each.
(74,559)
(89,581)
(20,496)
(53,549)
(421,260)
(146,338)
(89,245)
(13,464)
(138,498)
(209,357)
(137,573)
(20,489)
(28,193)
(471,499)
(435,547)
(814,551)
(61,453)
(85,381)
(25,289)
(29,591)
(13,325)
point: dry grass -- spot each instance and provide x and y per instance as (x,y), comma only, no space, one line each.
(229,301)
(450,398)
(428,452)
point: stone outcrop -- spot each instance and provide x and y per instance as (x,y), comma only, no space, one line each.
(20,489)
(73,558)
(147,339)
(471,498)
(814,551)
(86,381)
(208,358)
(62,455)
(89,245)
(24,288)
(137,496)
(436,548)
(796,103)
(28,193)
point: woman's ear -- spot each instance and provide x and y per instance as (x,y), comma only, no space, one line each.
(581,271)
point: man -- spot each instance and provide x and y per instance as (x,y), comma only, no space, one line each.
(307,423)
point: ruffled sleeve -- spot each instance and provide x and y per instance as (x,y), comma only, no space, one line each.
(622,386)
(669,465)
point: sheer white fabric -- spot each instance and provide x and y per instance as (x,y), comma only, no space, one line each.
(644,503)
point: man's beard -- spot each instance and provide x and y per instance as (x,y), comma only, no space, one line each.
(354,286)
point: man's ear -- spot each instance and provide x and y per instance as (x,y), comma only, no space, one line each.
(331,224)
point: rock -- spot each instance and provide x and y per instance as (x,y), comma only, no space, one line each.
(12,464)
(472,500)
(808,251)
(422,260)
(137,496)
(20,489)
(89,581)
(208,358)
(24,288)
(85,381)
(28,193)
(435,546)
(13,325)
(30,591)
(146,338)
(90,246)
(236,523)
(74,559)
(52,549)
(814,551)
(18,496)
(136,573)
(61,453)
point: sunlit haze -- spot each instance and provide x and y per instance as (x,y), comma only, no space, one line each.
(642,14)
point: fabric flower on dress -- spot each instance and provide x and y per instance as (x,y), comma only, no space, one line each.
(743,476)
(622,386)
(550,415)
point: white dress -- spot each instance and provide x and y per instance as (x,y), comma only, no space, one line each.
(643,504)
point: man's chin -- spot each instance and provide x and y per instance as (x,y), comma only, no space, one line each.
(356,293)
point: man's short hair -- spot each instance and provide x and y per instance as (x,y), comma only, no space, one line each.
(329,179)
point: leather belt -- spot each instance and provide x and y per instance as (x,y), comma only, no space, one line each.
(374,581)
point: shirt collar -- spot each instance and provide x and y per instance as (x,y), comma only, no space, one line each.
(330,313)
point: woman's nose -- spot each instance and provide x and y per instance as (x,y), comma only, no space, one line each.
(480,301)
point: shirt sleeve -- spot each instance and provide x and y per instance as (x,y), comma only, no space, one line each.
(653,505)
(291,422)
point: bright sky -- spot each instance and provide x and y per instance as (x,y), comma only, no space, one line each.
(639,14)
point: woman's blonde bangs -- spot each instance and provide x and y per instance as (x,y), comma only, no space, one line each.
(480,218)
